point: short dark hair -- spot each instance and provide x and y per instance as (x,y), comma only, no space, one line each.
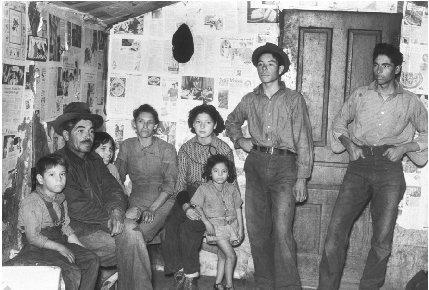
(148,109)
(101,138)
(215,159)
(209,110)
(390,51)
(49,161)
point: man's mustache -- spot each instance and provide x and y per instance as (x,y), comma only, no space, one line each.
(89,141)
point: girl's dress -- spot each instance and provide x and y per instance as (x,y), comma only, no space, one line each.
(220,209)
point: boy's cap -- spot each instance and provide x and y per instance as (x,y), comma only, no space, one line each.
(76,110)
(273,49)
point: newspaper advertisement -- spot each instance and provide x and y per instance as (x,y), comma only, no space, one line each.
(126,54)
(14,21)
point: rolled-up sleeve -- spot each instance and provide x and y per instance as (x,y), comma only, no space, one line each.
(31,218)
(169,170)
(341,121)
(236,119)
(303,139)
(419,119)
(66,229)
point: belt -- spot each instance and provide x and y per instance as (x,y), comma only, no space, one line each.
(273,150)
(222,221)
(375,150)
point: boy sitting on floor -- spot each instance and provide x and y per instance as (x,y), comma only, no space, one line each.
(46,234)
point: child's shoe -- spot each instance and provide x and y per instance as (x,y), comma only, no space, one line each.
(218,286)
(229,287)
(179,279)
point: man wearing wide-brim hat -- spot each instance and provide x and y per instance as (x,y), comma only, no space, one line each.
(279,162)
(97,202)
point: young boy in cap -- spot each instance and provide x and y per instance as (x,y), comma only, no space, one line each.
(279,162)
(46,233)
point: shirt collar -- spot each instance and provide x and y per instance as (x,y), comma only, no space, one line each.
(214,142)
(154,140)
(76,159)
(59,197)
(399,89)
(260,91)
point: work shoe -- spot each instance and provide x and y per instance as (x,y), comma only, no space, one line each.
(190,283)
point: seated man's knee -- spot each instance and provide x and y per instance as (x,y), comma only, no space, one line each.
(94,260)
(73,274)
(131,230)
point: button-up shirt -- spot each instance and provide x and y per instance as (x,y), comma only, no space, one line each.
(33,216)
(280,121)
(91,191)
(152,169)
(217,203)
(369,119)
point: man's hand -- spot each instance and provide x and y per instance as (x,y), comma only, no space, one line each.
(116,222)
(245,144)
(354,151)
(66,253)
(148,216)
(193,214)
(300,190)
(210,229)
(133,213)
(395,153)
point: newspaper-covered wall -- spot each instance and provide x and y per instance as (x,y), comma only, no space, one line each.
(50,56)
(143,70)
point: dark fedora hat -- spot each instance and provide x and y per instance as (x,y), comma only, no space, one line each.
(76,110)
(274,50)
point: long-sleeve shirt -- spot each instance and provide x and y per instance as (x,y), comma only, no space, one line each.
(33,216)
(91,191)
(280,121)
(151,169)
(192,157)
(368,119)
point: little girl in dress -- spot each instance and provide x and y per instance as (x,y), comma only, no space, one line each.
(219,203)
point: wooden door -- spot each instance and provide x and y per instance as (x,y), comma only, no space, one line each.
(332,55)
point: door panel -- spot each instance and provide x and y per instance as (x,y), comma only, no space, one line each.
(332,52)
(359,66)
(313,78)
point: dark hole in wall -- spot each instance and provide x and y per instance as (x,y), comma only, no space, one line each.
(183,44)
